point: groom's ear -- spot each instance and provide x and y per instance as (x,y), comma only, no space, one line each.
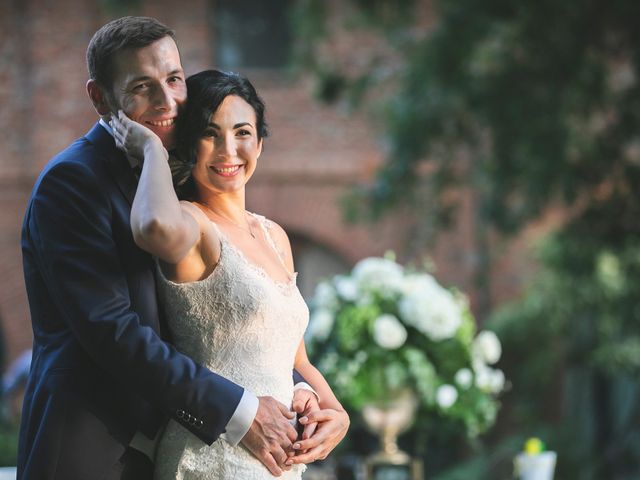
(98,98)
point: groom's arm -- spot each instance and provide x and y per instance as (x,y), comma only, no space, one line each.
(70,226)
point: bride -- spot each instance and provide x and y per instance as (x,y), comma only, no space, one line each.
(226,275)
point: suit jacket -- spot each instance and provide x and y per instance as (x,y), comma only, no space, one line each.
(100,370)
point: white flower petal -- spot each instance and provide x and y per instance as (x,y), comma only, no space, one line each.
(464,378)
(446,396)
(388,332)
(320,324)
(487,346)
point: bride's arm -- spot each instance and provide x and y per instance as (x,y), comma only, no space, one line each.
(312,375)
(324,428)
(160,225)
(332,420)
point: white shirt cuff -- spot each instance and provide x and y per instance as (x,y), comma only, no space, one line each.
(306,386)
(241,419)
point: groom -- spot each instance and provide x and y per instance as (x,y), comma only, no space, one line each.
(102,378)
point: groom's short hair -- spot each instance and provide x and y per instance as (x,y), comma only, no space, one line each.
(119,34)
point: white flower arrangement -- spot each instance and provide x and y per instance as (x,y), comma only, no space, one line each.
(385,329)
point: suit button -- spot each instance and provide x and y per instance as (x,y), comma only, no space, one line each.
(200,423)
(180,413)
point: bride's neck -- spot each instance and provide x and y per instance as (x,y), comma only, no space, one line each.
(230,206)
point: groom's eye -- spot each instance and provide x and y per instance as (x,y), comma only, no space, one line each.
(141,86)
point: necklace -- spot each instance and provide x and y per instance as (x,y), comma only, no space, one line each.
(246,229)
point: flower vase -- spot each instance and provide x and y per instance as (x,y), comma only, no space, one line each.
(387,419)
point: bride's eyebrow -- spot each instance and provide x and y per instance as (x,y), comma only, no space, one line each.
(237,125)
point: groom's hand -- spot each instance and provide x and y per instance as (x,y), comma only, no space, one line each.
(271,434)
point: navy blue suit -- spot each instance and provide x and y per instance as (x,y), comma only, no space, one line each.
(100,369)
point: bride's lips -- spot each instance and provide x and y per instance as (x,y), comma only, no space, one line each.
(226,170)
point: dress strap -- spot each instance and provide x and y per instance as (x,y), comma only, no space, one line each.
(265,225)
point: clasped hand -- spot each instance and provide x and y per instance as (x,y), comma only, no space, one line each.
(274,441)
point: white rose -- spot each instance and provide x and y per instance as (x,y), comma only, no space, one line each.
(484,379)
(378,274)
(388,332)
(497,381)
(320,324)
(464,378)
(346,287)
(419,283)
(430,308)
(324,296)
(490,379)
(446,396)
(487,347)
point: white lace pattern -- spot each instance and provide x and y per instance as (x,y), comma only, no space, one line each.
(245,326)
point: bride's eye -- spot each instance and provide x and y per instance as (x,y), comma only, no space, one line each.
(209,133)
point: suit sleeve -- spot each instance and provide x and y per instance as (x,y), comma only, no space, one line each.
(69,222)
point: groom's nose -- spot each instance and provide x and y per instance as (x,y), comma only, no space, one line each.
(163,98)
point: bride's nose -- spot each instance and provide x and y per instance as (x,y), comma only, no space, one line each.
(226,147)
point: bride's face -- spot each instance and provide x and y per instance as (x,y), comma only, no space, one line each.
(228,152)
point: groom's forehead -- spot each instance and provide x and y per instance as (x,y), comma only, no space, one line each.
(161,58)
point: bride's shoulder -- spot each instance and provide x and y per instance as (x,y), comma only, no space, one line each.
(193,209)
(279,238)
(199,216)
(274,229)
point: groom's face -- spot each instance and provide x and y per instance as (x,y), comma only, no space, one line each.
(149,86)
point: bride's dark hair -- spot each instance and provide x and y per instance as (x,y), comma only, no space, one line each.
(206,91)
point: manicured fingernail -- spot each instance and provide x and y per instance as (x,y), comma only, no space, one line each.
(289,462)
(303,420)
(296,446)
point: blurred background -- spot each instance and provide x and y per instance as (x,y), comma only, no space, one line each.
(498,139)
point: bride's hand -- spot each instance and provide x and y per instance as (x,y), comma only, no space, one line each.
(304,403)
(331,429)
(132,137)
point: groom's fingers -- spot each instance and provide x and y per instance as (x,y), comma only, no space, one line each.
(285,411)
(267,459)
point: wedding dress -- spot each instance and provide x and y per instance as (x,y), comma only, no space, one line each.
(245,326)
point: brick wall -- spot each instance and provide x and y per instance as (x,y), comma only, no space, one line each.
(314,154)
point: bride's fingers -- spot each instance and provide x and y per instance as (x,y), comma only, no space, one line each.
(317,453)
(309,429)
(317,416)
(311,442)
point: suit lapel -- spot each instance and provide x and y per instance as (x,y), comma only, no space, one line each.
(115,160)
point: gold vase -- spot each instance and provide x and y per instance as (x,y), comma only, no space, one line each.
(388,419)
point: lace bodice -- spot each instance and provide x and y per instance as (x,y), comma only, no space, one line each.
(242,324)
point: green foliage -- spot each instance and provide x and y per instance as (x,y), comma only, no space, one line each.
(529,105)
(577,331)
(541,97)
(9,444)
